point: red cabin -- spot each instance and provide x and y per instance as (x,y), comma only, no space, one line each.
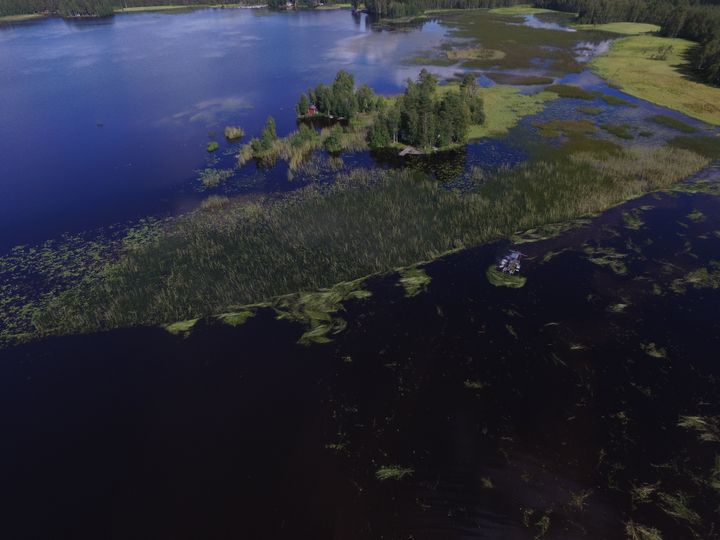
(312,110)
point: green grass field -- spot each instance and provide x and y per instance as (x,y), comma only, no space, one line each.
(645,67)
(504,107)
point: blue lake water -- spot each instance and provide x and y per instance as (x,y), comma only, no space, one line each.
(105,121)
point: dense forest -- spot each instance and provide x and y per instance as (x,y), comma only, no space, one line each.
(694,20)
(91,8)
(405,8)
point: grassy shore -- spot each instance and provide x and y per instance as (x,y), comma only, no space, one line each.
(22,18)
(179,7)
(625,28)
(217,260)
(656,75)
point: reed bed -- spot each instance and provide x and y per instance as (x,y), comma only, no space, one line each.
(367,221)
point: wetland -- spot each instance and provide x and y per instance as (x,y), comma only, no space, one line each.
(224,315)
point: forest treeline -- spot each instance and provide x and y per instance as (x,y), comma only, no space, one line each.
(93,8)
(407,8)
(694,20)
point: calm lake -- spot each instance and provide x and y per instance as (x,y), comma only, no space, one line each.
(105,121)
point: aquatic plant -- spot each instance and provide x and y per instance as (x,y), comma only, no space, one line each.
(622,131)
(393,472)
(673,123)
(589,110)
(603,256)
(652,349)
(704,145)
(498,278)
(212,146)
(617,101)
(474,385)
(696,216)
(233,133)
(708,427)
(571,92)
(366,222)
(633,220)
(214,202)
(214,177)
(677,506)
(236,318)
(414,280)
(566,128)
(636,531)
(182,328)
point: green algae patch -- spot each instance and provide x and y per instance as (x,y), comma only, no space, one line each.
(393,472)
(501,279)
(607,257)
(414,280)
(182,328)
(236,318)
(319,311)
(212,146)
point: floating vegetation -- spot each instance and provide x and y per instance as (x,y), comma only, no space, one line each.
(708,427)
(643,494)
(578,501)
(618,308)
(318,310)
(594,111)
(566,128)
(633,220)
(701,278)
(651,349)
(622,131)
(414,280)
(182,328)
(474,53)
(214,177)
(636,531)
(672,123)
(518,80)
(607,257)
(678,506)
(543,526)
(212,146)
(572,92)
(236,318)
(696,216)
(486,483)
(474,385)
(545,232)
(617,101)
(499,278)
(393,472)
(233,133)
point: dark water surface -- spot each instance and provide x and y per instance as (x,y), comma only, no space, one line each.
(104,121)
(509,405)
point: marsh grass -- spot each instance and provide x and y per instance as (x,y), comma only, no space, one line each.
(705,145)
(617,101)
(672,123)
(623,131)
(214,177)
(571,92)
(364,223)
(233,133)
(212,146)
(593,111)
(498,278)
(566,128)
